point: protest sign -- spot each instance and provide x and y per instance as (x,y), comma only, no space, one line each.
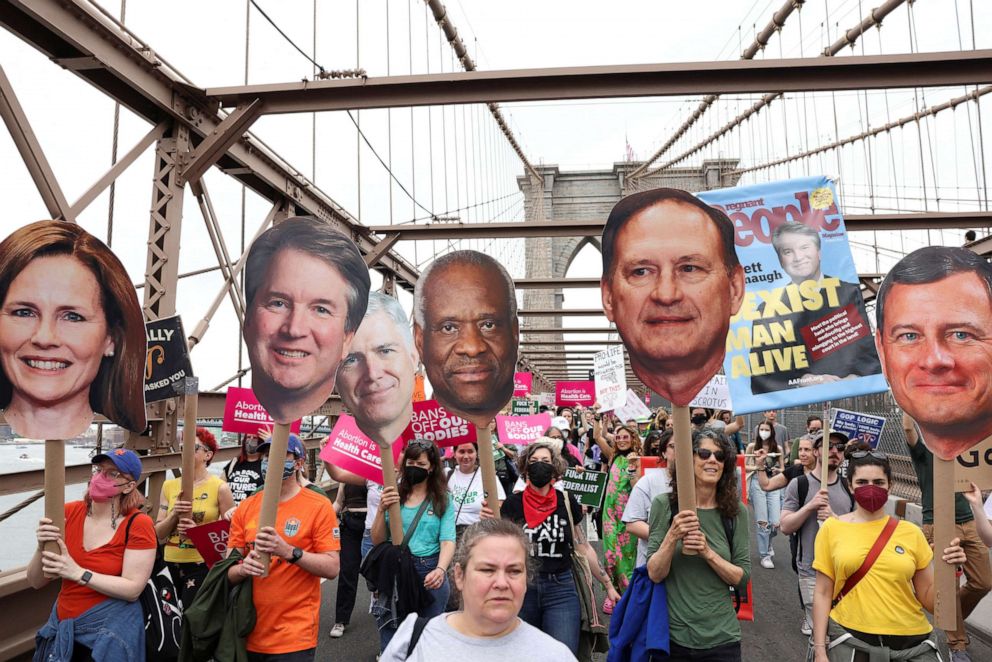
(632,409)
(348,448)
(523,406)
(715,395)
(546,400)
(243,414)
(210,540)
(610,378)
(858,426)
(523,382)
(588,487)
(575,393)
(166,360)
(974,466)
(801,334)
(522,430)
(434,422)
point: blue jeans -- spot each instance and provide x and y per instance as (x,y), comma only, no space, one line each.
(767,509)
(552,605)
(387,626)
(366,543)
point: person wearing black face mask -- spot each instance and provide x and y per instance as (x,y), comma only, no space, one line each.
(544,512)
(698,417)
(426,507)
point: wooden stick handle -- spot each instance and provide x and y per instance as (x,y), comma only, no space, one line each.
(189,437)
(488,465)
(945,605)
(55,489)
(389,480)
(684,462)
(273,483)
(825,448)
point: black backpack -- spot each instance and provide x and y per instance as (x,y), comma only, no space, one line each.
(162,610)
(802,486)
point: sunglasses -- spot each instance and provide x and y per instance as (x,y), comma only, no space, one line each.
(421,444)
(705,453)
(878,455)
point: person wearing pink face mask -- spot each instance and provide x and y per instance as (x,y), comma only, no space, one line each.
(106,555)
(865,559)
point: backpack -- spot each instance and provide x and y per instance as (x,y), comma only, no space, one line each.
(162,610)
(729,525)
(803,487)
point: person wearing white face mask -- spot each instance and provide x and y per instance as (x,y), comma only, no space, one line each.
(767,505)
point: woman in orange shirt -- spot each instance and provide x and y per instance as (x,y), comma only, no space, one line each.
(105,559)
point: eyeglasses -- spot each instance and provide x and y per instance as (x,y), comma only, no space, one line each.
(200,447)
(878,455)
(109,473)
(705,453)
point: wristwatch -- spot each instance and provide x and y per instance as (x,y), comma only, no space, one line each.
(296,556)
(85,578)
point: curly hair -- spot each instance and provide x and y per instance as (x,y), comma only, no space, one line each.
(635,439)
(557,461)
(727,501)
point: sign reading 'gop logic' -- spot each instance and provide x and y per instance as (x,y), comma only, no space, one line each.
(432,421)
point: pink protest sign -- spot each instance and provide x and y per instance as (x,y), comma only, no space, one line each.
(347,447)
(434,422)
(244,415)
(522,430)
(210,540)
(523,382)
(575,393)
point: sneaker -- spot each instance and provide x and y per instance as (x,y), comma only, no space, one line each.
(960,656)
(607,606)
(337,630)
(805,628)
(766,562)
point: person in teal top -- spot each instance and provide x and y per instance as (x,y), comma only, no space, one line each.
(421,480)
(702,621)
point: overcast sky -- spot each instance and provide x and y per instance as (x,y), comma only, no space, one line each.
(455,158)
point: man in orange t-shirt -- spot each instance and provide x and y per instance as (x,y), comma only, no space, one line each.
(304,545)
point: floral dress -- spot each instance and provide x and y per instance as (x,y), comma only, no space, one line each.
(619,546)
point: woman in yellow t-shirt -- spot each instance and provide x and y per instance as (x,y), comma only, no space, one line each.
(211,498)
(901,578)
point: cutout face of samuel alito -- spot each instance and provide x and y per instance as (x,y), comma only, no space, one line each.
(466,332)
(671,282)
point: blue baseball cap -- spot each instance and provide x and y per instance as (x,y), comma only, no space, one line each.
(126,461)
(295,446)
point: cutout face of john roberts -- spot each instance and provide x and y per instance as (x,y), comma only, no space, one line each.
(671,282)
(306,290)
(466,332)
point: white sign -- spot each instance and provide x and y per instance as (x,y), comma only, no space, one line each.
(715,395)
(611,382)
(633,408)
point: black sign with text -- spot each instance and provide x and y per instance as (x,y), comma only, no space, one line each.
(167,362)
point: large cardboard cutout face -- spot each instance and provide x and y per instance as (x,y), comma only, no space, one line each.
(72,336)
(934,339)
(306,290)
(376,379)
(467,334)
(671,282)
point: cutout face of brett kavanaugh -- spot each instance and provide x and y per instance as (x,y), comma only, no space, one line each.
(467,334)
(934,339)
(306,291)
(671,282)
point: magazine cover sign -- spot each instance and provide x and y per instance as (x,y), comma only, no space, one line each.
(72,335)
(306,290)
(801,334)
(934,312)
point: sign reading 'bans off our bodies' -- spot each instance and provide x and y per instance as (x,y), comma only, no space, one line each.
(243,414)
(432,421)
(522,430)
(801,334)
(347,447)
(575,393)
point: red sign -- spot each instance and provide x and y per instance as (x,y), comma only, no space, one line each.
(434,422)
(522,430)
(838,329)
(347,447)
(575,393)
(523,384)
(244,415)
(210,540)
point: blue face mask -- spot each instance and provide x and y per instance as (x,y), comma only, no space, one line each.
(288,467)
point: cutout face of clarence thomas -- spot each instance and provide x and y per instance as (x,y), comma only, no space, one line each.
(934,340)
(466,332)
(671,282)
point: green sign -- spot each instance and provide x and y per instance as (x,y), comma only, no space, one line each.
(588,487)
(523,407)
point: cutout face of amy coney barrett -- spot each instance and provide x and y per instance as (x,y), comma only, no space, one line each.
(671,282)
(306,290)
(72,336)
(467,334)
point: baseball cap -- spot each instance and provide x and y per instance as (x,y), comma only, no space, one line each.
(561,423)
(295,446)
(125,460)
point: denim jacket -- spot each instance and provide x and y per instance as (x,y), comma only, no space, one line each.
(113,629)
